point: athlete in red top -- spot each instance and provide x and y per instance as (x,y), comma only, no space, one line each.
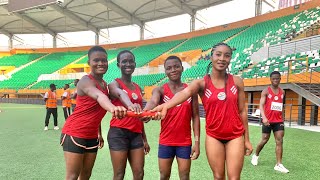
(227,91)
(175,136)
(271,105)
(221,104)
(81,134)
(126,137)
(131,123)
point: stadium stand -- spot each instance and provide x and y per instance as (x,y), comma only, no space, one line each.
(46,65)
(205,42)
(300,61)
(18,60)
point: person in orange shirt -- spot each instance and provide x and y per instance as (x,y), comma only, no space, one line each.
(51,105)
(74,95)
(66,101)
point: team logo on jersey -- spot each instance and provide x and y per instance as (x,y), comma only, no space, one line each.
(234,89)
(222,96)
(207,93)
(134,96)
(276,98)
(269,96)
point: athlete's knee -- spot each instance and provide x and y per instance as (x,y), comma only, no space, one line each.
(164,176)
(184,175)
(234,177)
(219,177)
(85,174)
(118,175)
(72,176)
(265,139)
(279,141)
(138,174)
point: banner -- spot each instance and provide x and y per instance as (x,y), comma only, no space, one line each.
(288,3)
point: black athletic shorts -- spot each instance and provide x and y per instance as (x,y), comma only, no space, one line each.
(78,145)
(120,139)
(273,126)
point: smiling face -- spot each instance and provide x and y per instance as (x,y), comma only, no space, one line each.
(127,63)
(221,57)
(173,69)
(98,62)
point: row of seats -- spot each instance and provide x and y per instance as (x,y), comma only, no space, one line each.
(44,84)
(267,33)
(141,80)
(207,41)
(46,65)
(145,54)
(112,54)
(301,61)
(18,60)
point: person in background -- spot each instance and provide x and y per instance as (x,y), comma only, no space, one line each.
(74,95)
(51,105)
(271,109)
(66,101)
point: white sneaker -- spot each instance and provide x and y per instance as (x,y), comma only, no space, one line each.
(46,128)
(56,128)
(280,168)
(254,160)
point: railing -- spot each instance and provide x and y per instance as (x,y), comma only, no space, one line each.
(292,47)
(293,114)
(304,74)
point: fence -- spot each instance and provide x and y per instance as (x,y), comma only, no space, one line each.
(297,114)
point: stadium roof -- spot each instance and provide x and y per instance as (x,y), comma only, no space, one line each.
(93,15)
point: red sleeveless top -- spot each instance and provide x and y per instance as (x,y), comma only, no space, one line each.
(84,122)
(223,120)
(273,106)
(175,127)
(131,123)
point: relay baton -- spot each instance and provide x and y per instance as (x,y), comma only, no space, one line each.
(142,114)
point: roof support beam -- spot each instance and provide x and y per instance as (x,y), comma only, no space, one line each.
(116,8)
(74,17)
(33,22)
(182,6)
(271,5)
(11,36)
(5,32)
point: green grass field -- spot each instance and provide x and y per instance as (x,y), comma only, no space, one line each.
(28,152)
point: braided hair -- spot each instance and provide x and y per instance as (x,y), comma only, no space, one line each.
(210,64)
(212,51)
